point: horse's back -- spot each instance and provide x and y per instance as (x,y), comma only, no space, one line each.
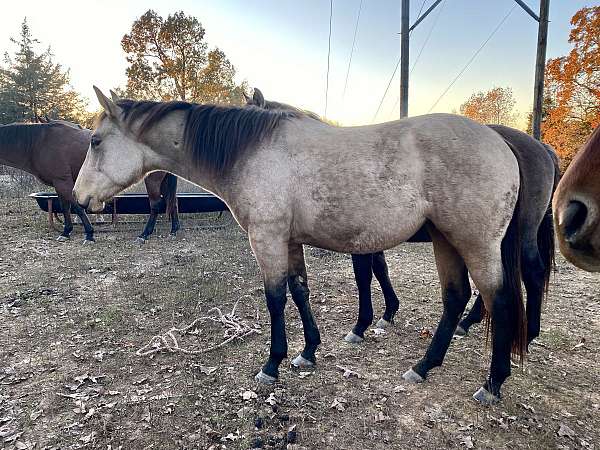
(348,185)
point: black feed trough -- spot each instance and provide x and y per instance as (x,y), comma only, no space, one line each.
(133,203)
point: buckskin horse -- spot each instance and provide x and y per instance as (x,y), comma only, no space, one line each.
(540,170)
(54,151)
(577,207)
(290,180)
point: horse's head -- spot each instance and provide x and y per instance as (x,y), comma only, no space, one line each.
(114,161)
(576,207)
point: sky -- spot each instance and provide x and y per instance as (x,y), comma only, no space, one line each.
(280,46)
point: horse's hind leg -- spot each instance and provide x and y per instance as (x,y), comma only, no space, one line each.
(456,291)
(68,226)
(533,278)
(363,274)
(152,182)
(298,284)
(380,270)
(475,315)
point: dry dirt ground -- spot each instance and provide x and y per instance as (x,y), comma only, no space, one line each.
(72,318)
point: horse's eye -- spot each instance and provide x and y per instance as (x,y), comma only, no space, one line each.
(96,141)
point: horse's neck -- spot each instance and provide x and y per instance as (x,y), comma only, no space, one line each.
(16,156)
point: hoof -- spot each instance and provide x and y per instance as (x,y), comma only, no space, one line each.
(460,331)
(485,397)
(62,238)
(412,377)
(263,378)
(353,338)
(88,242)
(140,240)
(383,324)
(300,362)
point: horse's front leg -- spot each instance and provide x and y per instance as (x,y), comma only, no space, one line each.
(381,272)
(363,274)
(271,253)
(298,284)
(476,315)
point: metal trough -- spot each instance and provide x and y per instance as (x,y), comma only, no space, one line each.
(188,202)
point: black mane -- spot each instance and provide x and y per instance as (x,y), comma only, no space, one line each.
(23,135)
(215,135)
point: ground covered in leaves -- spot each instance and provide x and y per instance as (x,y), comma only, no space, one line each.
(72,318)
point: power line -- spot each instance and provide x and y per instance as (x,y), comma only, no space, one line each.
(395,69)
(421,50)
(466,66)
(328,55)
(352,50)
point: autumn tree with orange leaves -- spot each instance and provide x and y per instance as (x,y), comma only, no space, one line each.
(495,106)
(573,88)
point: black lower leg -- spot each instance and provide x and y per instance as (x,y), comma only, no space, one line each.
(87,226)
(380,270)
(363,274)
(501,345)
(151,223)
(533,278)
(455,298)
(174,223)
(475,315)
(68,226)
(301,295)
(276,299)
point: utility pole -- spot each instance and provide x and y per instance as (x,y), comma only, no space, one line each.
(540,66)
(404,57)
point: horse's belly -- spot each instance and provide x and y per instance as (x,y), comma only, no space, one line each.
(362,231)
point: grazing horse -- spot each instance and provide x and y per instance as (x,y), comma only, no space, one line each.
(54,151)
(576,207)
(541,173)
(290,180)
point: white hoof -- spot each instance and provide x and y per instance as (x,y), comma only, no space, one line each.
(88,242)
(140,240)
(263,378)
(485,397)
(62,238)
(383,324)
(300,362)
(412,377)
(353,338)
(460,331)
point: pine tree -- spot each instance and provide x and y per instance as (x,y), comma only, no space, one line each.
(33,86)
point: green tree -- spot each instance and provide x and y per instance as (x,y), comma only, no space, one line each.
(169,60)
(33,86)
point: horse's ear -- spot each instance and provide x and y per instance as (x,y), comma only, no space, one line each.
(246,97)
(258,98)
(108,105)
(113,95)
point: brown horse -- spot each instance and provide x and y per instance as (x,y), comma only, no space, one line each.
(577,207)
(54,151)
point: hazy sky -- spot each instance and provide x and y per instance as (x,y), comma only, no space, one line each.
(280,46)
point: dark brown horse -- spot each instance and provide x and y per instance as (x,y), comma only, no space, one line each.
(54,152)
(577,207)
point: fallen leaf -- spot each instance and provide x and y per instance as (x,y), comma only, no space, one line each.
(338,403)
(565,431)
(467,441)
(248,395)
(271,400)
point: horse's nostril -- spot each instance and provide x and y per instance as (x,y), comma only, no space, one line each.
(574,218)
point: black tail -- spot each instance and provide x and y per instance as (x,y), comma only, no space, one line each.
(168,190)
(512,280)
(545,237)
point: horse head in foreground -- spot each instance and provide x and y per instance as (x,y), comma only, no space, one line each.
(577,207)
(290,180)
